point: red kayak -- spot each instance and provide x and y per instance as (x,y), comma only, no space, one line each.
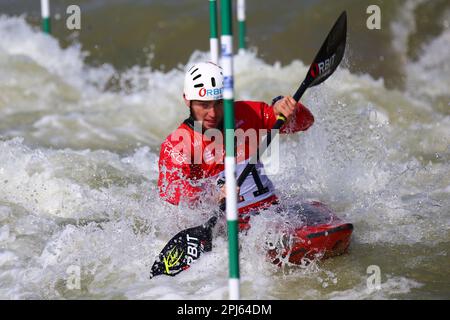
(320,234)
(310,231)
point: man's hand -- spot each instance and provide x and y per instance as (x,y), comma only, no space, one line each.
(285,106)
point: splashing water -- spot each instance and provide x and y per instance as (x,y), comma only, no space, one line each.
(78,172)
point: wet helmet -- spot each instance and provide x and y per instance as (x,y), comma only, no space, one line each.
(204,82)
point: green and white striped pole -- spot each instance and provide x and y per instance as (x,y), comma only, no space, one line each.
(45,14)
(242,26)
(214,38)
(230,161)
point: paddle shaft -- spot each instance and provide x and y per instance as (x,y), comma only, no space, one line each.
(263,146)
(324,64)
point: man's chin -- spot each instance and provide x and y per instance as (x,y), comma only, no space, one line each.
(210,125)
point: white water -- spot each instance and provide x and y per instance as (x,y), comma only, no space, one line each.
(78,172)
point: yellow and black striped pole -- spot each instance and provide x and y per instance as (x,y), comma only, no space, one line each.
(230,161)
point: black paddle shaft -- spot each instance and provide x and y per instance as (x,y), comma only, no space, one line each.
(324,64)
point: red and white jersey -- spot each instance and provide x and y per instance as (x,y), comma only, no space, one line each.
(191,162)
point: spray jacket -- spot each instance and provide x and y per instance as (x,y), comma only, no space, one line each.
(191,161)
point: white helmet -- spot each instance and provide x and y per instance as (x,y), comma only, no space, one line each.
(204,81)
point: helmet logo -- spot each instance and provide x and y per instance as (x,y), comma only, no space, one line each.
(210,92)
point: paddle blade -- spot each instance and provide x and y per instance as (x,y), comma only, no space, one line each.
(328,58)
(183,249)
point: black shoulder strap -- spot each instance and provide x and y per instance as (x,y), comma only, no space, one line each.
(189,122)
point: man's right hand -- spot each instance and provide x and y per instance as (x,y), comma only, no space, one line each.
(285,106)
(223,194)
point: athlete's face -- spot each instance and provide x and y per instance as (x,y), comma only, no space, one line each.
(210,113)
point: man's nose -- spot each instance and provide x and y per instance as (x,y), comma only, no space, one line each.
(212,111)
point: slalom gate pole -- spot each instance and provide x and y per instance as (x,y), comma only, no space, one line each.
(45,14)
(213,38)
(230,160)
(242,25)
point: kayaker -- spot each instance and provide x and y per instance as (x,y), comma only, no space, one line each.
(191,165)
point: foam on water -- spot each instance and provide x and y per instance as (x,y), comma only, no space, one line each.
(78,172)
(424,77)
(47,89)
(404,25)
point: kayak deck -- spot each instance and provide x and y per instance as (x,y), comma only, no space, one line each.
(319,234)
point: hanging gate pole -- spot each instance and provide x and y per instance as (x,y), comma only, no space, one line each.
(230,161)
(242,25)
(45,14)
(213,38)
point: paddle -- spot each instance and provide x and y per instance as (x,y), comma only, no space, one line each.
(187,245)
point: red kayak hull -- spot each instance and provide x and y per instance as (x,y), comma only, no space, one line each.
(324,235)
